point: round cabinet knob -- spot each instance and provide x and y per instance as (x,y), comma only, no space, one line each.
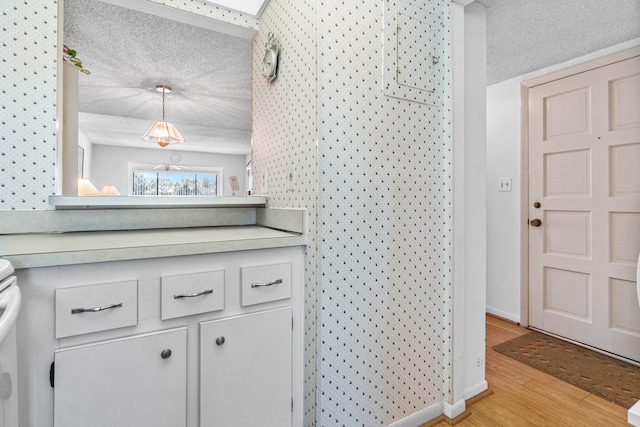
(165,353)
(220,340)
(535,222)
(537,205)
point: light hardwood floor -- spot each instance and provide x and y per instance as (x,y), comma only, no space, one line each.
(523,396)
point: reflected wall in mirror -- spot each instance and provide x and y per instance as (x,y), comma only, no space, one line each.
(128,53)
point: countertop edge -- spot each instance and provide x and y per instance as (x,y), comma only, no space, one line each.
(161,251)
(55,249)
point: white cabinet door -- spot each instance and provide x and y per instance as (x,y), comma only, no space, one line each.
(123,382)
(245,370)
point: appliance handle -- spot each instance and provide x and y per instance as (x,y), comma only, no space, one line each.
(10,302)
(638,279)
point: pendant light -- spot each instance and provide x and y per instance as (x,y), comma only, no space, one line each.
(163,133)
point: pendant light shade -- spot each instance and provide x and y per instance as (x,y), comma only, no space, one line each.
(163,133)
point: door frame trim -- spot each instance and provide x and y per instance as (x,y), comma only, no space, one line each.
(607,58)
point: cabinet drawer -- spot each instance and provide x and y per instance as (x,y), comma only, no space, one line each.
(265,283)
(188,294)
(94,308)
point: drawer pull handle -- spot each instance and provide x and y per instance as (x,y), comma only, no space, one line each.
(195,294)
(220,340)
(275,282)
(95,309)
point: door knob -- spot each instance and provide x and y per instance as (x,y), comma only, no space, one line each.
(535,222)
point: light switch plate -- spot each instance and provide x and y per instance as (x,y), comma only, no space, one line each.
(504,184)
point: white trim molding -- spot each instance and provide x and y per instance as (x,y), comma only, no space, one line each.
(462,3)
(476,390)
(418,418)
(454,410)
(633,416)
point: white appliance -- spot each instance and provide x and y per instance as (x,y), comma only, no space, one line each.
(10,300)
(633,415)
(638,279)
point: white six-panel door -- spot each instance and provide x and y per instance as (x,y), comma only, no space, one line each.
(584,188)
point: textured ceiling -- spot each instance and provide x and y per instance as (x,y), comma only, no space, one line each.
(129,52)
(529,35)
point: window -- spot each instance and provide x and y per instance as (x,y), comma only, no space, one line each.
(161,180)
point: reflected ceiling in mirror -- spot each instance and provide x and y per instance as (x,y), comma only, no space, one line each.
(129,52)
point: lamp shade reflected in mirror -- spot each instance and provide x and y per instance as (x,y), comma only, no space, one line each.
(86,188)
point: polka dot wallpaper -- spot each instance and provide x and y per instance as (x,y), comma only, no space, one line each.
(384,225)
(27,104)
(284,133)
(378,192)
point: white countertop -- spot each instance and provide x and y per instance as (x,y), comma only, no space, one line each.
(49,249)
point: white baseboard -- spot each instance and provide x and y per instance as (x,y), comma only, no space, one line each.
(441,408)
(633,416)
(420,417)
(454,410)
(503,314)
(475,390)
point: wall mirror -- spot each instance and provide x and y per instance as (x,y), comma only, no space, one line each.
(129,47)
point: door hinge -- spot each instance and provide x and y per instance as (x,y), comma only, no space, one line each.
(52,374)
(291,405)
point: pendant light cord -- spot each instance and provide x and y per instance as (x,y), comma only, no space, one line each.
(163,104)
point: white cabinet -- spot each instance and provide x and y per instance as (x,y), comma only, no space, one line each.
(132,381)
(109,369)
(245,370)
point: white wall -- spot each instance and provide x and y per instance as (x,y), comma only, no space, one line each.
(503,208)
(469,121)
(475,169)
(110,165)
(87,146)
